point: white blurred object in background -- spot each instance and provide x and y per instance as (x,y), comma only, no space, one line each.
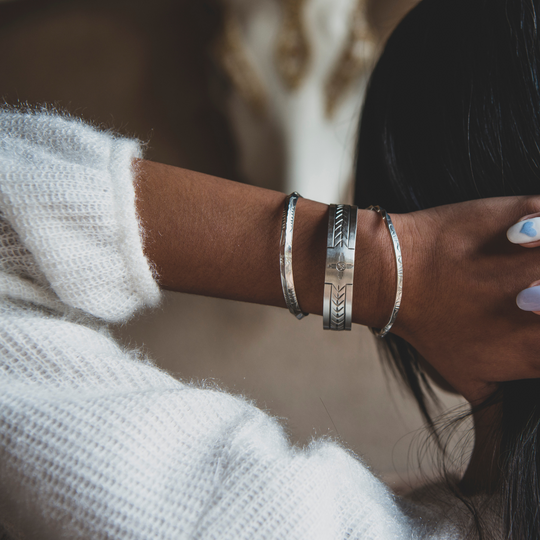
(298,70)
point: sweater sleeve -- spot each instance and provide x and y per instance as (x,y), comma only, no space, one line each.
(96,442)
(70,236)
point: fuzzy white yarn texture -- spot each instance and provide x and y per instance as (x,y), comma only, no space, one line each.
(96,442)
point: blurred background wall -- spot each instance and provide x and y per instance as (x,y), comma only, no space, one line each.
(152,70)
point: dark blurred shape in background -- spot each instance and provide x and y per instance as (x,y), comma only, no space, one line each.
(141,68)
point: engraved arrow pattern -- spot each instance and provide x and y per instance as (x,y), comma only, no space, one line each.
(338,302)
(339,224)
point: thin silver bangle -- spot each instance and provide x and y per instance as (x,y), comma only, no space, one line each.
(285,256)
(399,271)
(339,271)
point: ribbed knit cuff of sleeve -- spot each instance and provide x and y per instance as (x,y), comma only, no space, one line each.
(68,202)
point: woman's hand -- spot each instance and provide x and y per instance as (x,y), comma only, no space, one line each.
(462,276)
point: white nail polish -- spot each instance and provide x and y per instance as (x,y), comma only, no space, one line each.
(529,299)
(524,232)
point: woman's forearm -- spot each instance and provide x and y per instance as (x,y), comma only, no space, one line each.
(219,238)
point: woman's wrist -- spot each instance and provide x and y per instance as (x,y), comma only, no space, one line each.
(375,271)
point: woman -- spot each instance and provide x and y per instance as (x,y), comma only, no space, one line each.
(97,443)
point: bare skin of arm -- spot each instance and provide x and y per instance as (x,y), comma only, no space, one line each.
(218,238)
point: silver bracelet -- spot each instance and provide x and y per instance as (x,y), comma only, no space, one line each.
(285,256)
(399,271)
(339,272)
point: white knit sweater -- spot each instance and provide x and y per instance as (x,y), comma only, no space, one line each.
(96,442)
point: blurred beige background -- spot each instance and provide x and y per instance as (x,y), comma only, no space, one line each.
(143,69)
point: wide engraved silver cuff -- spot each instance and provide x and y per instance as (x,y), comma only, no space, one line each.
(339,273)
(285,256)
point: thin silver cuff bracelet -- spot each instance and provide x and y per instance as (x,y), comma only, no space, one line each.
(285,256)
(399,271)
(339,272)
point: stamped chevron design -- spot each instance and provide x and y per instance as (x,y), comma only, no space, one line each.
(338,307)
(339,225)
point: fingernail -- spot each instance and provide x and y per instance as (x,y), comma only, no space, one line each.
(524,232)
(529,299)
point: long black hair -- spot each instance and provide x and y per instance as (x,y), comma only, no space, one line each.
(452,113)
